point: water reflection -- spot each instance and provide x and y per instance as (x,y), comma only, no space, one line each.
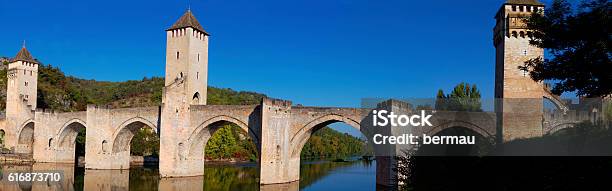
(314,175)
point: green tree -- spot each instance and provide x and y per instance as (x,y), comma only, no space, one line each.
(222,145)
(80,142)
(579,43)
(145,143)
(329,143)
(464,97)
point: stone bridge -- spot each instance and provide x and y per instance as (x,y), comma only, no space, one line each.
(278,129)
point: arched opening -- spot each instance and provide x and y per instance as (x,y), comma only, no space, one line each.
(196,98)
(223,140)
(317,142)
(72,139)
(226,140)
(328,144)
(26,138)
(139,140)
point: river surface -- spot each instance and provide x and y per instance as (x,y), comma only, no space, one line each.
(314,175)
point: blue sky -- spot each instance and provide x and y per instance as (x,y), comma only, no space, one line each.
(313,52)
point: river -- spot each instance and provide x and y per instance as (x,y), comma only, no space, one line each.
(314,175)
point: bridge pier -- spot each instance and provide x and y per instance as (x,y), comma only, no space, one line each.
(175,125)
(276,164)
(98,142)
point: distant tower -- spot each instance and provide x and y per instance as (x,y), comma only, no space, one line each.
(520,99)
(187,57)
(22,82)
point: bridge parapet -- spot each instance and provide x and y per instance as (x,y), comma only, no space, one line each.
(558,120)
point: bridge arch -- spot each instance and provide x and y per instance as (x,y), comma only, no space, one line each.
(125,132)
(198,137)
(25,129)
(25,136)
(66,136)
(558,127)
(482,145)
(301,137)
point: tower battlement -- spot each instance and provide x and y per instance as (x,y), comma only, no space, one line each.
(187,58)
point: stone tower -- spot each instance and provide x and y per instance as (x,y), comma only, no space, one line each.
(519,98)
(22,80)
(187,57)
(185,85)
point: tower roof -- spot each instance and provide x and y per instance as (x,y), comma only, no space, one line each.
(188,20)
(524,2)
(24,55)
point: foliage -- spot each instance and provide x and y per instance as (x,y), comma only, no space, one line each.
(229,141)
(145,143)
(579,42)
(464,97)
(219,96)
(329,143)
(80,142)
